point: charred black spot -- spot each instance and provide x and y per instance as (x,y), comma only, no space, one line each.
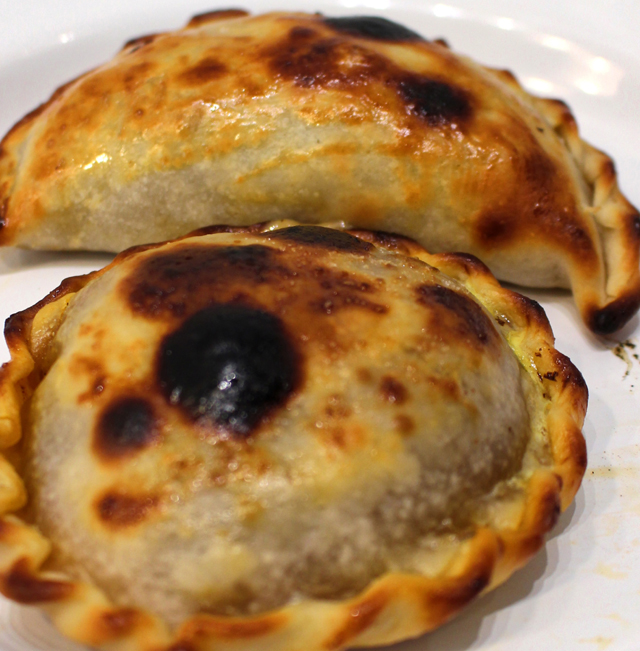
(612,317)
(373,27)
(186,279)
(229,365)
(436,102)
(470,317)
(326,238)
(127,425)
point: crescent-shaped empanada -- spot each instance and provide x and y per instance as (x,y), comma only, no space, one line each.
(240,119)
(283,437)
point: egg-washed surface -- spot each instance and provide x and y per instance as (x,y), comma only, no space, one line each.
(248,422)
(238,118)
(244,393)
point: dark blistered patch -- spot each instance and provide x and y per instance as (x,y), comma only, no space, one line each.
(299,33)
(390,241)
(184,279)
(469,262)
(470,319)
(119,510)
(570,375)
(405,425)
(447,386)
(534,311)
(436,102)
(634,222)
(497,228)
(20,585)
(332,304)
(137,43)
(575,237)
(339,63)
(229,365)
(203,72)
(313,63)
(126,426)
(611,317)
(4,209)
(341,290)
(548,507)
(373,27)
(321,237)
(468,588)
(220,14)
(539,169)
(393,390)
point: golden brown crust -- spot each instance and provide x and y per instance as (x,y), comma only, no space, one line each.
(317,119)
(393,607)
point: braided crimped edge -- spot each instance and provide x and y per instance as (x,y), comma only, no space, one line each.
(606,307)
(392,608)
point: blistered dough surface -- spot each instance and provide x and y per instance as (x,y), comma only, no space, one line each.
(214,399)
(240,119)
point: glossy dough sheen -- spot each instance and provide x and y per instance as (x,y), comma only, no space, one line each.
(239,119)
(291,436)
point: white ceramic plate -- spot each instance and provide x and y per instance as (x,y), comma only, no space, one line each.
(582,592)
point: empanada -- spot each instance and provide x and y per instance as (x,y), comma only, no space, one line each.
(240,119)
(280,437)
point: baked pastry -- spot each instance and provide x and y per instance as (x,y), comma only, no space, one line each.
(279,437)
(240,119)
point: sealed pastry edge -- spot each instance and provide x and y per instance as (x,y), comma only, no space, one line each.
(618,220)
(392,608)
(605,306)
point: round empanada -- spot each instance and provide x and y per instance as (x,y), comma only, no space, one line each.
(238,119)
(279,437)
